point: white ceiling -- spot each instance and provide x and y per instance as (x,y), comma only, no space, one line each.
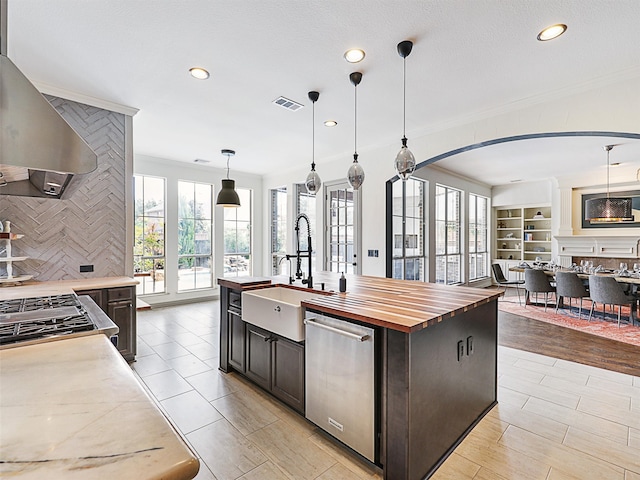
(470,56)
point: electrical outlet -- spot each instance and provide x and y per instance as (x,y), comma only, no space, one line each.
(460,350)
(469,345)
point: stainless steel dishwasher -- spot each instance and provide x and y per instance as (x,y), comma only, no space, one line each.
(340,380)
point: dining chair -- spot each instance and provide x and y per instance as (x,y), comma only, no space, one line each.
(502,280)
(536,281)
(569,285)
(608,291)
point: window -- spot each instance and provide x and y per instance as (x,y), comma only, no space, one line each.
(478,254)
(195,224)
(148,252)
(306,204)
(237,237)
(447,224)
(408,229)
(278,228)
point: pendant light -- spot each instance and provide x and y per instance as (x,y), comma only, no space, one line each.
(355,175)
(228,197)
(405,162)
(313,182)
(608,209)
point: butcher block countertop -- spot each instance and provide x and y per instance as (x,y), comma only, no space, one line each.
(402,305)
(59,287)
(73,409)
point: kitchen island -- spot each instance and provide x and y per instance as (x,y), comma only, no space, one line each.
(73,409)
(436,360)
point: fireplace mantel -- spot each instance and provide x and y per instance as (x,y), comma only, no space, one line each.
(623,246)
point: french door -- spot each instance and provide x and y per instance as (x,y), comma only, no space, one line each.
(342,227)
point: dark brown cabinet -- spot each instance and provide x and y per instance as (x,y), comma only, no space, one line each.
(118,304)
(273,362)
(277,365)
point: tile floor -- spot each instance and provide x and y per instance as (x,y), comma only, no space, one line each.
(556,420)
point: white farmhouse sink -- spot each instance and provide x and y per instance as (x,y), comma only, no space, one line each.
(276,309)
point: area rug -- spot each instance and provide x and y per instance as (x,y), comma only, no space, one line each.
(604,328)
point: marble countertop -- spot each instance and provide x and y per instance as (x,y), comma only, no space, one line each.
(59,287)
(73,409)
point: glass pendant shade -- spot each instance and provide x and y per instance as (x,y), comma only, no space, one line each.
(608,210)
(405,163)
(355,175)
(228,197)
(313,182)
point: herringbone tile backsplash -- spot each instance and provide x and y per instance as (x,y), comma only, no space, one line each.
(88,226)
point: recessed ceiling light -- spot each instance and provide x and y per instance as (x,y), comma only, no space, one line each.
(199,73)
(516,181)
(554,31)
(615,164)
(354,55)
(330,123)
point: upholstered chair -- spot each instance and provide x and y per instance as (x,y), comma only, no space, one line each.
(536,281)
(569,285)
(501,280)
(607,291)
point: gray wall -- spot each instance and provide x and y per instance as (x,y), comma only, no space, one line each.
(88,227)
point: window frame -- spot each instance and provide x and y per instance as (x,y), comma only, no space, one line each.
(404,261)
(234,212)
(448,223)
(196,256)
(474,251)
(156,259)
(277,227)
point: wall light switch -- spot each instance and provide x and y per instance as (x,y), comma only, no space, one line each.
(460,350)
(469,345)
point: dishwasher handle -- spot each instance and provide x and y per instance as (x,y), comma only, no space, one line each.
(353,336)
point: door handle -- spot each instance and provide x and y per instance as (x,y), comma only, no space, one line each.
(344,333)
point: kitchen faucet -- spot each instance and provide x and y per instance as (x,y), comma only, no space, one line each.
(288,257)
(303,253)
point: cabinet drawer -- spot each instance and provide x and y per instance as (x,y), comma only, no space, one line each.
(123,293)
(235,299)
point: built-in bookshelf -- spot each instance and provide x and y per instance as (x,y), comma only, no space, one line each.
(523,233)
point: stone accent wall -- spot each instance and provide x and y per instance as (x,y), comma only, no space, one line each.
(88,227)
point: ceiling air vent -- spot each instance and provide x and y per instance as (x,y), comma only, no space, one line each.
(288,104)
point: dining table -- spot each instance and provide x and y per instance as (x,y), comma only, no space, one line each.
(632,280)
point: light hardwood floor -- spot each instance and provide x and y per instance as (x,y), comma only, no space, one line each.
(556,419)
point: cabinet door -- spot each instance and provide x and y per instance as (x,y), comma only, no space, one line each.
(236,327)
(259,356)
(287,372)
(122,314)
(97,296)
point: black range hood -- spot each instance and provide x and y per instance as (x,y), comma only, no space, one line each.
(39,151)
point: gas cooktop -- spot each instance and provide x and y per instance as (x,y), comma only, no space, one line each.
(29,319)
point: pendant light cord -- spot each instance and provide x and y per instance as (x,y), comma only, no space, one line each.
(608,150)
(227,166)
(355,120)
(404,97)
(313,136)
